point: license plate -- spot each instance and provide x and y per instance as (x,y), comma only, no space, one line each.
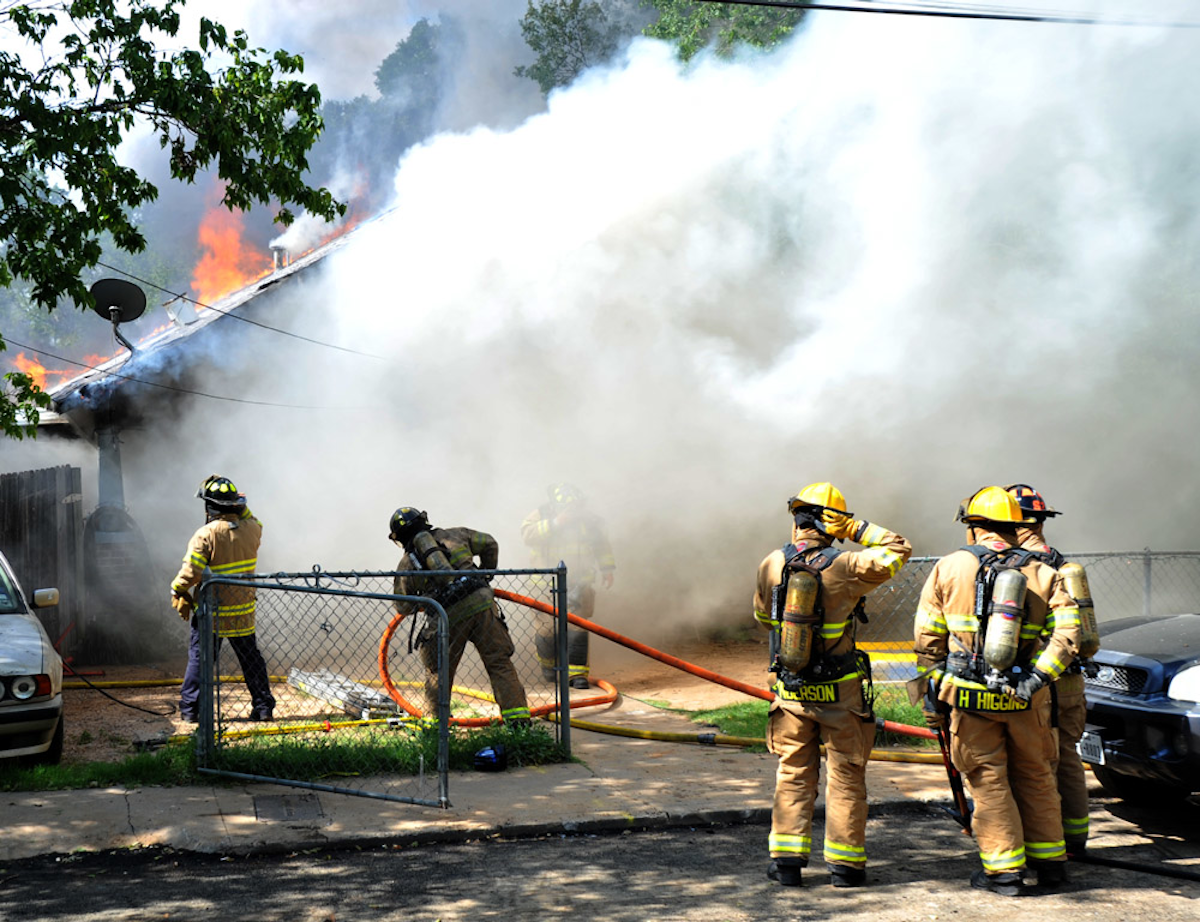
(1091,748)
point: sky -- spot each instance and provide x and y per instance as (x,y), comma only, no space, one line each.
(908,256)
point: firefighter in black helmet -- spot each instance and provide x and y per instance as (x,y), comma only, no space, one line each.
(227,544)
(1069,701)
(469,602)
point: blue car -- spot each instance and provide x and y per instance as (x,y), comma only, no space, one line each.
(31,702)
(1143,721)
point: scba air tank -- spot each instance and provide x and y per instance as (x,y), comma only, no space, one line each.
(1005,613)
(1075,576)
(799,621)
(430,554)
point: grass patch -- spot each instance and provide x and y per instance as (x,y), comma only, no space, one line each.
(303,757)
(171,765)
(368,751)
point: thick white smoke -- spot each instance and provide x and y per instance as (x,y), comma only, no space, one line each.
(909,256)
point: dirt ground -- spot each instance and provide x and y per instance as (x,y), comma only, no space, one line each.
(99,728)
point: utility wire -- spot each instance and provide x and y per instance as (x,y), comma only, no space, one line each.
(962,13)
(169,387)
(175,296)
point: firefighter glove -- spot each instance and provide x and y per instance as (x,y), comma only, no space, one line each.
(182,604)
(1029,685)
(839,525)
(934,720)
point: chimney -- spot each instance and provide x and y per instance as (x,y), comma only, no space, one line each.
(279,255)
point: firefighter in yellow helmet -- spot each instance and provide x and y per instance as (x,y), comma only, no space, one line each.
(566,530)
(1070,704)
(994,627)
(810,594)
(226,545)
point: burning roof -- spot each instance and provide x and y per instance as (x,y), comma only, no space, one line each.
(164,358)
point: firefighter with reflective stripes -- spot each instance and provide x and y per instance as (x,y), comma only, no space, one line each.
(226,545)
(468,600)
(810,594)
(1070,702)
(994,627)
(565,530)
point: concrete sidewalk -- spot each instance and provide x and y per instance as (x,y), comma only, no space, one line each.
(619,783)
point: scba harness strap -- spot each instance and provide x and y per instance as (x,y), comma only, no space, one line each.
(452,589)
(820,681)
(971,666)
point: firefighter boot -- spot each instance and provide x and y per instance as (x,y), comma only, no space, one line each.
(546,656)
(1051,874)
(1007,884)
(842,876)
(786,871)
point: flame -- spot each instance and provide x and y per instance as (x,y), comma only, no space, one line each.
(226,263)
(36,370)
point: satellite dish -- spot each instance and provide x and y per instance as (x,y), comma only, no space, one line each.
(118,300)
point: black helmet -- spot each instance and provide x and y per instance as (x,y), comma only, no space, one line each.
(1031,502)
(406,522)
(220,493)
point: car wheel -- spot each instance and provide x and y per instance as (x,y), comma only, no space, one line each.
(1137,790)
(53,755)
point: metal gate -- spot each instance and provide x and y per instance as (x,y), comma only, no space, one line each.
(350,683)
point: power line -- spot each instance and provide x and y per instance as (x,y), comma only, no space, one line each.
(951,11)
(175,296)
(169,387)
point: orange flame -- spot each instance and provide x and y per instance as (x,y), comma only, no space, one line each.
(226,264)
(36,370)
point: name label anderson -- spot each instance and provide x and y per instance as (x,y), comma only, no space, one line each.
(824,694)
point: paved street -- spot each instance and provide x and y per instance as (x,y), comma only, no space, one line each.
(920,865)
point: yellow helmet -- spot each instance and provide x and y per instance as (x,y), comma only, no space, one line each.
(992,504)
(822,495)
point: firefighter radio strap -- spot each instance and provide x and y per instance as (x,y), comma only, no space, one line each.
(805,671)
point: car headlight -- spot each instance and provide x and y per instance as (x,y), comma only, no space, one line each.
(24,687)
(1186,685)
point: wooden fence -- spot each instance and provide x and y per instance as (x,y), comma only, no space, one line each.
(41,534)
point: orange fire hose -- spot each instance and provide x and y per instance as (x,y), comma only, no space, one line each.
(610,693)
(675,661)
(755,692)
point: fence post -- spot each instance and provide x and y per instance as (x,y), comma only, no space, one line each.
(1146,580)
(564,683)
(443,702)
(203,619)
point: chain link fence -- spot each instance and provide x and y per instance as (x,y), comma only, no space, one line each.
(1139,583)
(333,645)
(357,687)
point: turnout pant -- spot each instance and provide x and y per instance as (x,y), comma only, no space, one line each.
(795,732)
(1007,759)
(582,602)
(254,670)
(495,647)
(1072,782)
